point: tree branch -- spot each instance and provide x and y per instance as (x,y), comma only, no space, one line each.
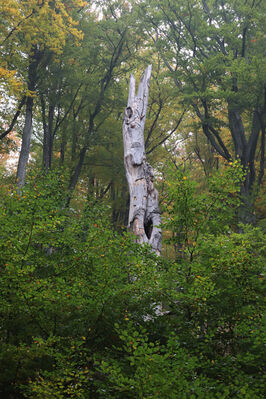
(212,135)
(58,124)
(169,135)
(16,27)
(154,122)
(14,120)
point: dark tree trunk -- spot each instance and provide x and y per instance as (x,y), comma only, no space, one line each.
(63,148)
(47,135)
(75,176)
(245,151)
(50,140)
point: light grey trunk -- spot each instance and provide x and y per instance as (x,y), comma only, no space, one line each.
(25,145)
(27,130)
(144,213)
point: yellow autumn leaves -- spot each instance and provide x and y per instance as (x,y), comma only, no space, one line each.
(8,81)
(25,24)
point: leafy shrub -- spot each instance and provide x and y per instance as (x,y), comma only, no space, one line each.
(87,313)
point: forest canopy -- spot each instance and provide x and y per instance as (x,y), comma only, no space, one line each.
(86,312)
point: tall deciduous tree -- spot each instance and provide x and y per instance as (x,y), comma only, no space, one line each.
(214,51)
(34,31)
(112,49)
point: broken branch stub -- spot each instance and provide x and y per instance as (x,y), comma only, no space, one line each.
(144,213)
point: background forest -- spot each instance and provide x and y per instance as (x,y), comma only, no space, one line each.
(85,311)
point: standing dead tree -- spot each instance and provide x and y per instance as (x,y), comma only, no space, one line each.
(144,213)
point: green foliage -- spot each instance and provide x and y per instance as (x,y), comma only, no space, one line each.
(191,214)
(214,54)
(150,369)
(65,277)
(216,308)
(85,312)
(214,289)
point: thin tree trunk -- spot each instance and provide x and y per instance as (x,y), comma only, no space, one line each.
(63,147)
(27,130)
(25,145)
(144,213)
(74,141)
(50,136)
(47,135)
(75,176)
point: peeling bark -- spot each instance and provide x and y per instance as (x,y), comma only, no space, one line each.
(144,213)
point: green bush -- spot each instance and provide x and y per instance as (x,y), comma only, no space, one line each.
(87,313)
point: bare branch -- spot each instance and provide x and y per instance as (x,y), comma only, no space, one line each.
(14,120)
(169,135)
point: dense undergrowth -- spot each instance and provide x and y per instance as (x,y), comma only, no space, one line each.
(87,313)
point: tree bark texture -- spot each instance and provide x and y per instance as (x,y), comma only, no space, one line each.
(27,130)
(144,213)
(25,145)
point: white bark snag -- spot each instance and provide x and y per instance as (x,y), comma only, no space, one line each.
(144,213)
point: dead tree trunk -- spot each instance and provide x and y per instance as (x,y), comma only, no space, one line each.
(144,213)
